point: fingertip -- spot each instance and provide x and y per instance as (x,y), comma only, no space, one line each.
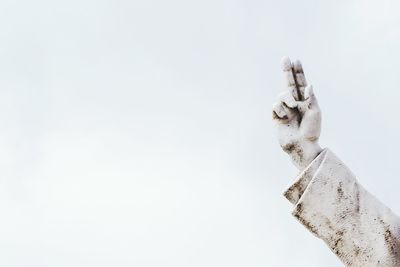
(275,116)
(309,91)
(278,109)
(286,64)
(297,66)
(288,99)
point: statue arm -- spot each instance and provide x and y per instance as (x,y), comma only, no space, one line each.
(358,228)
(327,198)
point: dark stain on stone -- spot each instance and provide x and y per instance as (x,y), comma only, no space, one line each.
(340,191)
(294,149)
(329,224)
(299,209)
(337,242)
(289,148)
(307,224)
(357,251)
(358,201)
(392,242)
(295,192)
(344,215)
(274,115)
(297,188)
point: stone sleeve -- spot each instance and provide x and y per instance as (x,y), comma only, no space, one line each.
(358,228)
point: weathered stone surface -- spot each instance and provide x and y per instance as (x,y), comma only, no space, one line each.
(328,200)
(358,228)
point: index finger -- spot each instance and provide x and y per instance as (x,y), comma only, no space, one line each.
(299,74)
(291,78)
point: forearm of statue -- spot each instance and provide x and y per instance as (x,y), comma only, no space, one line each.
(328,200)
(297,117)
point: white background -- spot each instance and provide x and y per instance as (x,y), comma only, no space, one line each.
(138,133)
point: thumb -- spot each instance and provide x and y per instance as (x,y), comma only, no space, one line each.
(310,98)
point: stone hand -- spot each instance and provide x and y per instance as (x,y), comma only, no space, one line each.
(297,117)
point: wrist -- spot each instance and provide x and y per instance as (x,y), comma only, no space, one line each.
(303,153)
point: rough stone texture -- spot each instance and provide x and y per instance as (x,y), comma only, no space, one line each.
(329,201)
(297,116)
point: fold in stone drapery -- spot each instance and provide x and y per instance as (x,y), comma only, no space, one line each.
(358,228)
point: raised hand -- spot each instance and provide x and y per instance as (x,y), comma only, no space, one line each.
(297,116)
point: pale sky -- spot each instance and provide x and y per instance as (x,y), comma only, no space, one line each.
(138,133)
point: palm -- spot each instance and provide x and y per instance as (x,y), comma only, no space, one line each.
(297,115)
